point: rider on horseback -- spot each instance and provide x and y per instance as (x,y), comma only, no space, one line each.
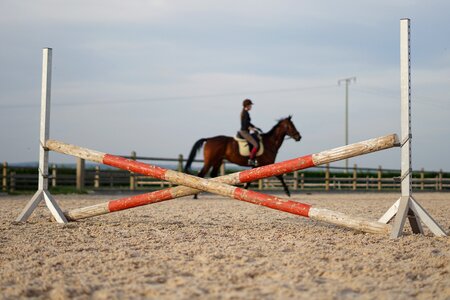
(246,126)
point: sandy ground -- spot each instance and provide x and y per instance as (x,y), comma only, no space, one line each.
(218,248)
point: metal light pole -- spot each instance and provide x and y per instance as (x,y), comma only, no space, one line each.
(347,82)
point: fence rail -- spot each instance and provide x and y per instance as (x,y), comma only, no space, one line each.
(15,178)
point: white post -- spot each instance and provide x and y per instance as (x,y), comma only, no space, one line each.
(43,193)
(405,98)
(405,117)
(407,206)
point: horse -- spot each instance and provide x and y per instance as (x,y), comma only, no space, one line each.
(221,147)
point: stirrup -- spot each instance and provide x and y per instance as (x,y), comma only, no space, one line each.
(252,162)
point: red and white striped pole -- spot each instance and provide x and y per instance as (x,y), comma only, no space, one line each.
(234,192)
(300,163)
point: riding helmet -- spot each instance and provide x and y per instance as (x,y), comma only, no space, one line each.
(247,102)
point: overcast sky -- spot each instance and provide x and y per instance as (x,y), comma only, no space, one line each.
(155,76)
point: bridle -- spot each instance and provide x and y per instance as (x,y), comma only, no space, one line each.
(287,136)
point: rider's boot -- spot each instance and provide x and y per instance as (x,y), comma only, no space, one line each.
(252,161)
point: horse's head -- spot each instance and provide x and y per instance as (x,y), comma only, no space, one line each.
(290,129)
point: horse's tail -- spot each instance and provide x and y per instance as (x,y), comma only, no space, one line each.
(198,144)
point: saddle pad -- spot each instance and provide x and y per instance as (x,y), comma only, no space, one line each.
(244,148)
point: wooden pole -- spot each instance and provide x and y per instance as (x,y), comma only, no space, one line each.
(302,181)
(54,172)
(222,168)
(180,163)
(5,177)
(97,177)
(300,163)
(380,173)
(355,177)
(132,175)
(422,179)
(227,190)
(295,185)
(12,182)
(80,173)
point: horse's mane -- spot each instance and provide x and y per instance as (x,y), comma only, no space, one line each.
(276,125)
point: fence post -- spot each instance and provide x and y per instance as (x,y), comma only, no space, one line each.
(367,182)
(355,176)
(132,175)
(97,177)
(327,177)
(295,186)
(12,181)
(302,181)
(53,175)
(436,182)
(261,183)
(222,168)
(5,177)
(440,179)
(80,173)
(380,172)
(180,163)
(422,179)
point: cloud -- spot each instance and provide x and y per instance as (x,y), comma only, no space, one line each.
(244,13)
(84,11)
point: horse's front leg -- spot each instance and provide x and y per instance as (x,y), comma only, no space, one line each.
(201,174)
(285,187)
(247,185)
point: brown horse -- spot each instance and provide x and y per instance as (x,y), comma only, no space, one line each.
(223,147)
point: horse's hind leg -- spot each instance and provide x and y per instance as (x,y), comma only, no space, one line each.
(285,187)
(216,168)
(202,174)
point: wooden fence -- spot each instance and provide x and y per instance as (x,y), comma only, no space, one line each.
(319,179)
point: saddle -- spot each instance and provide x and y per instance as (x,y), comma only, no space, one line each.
(245,147)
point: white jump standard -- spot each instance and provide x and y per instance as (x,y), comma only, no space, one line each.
(43,193)
(407,206)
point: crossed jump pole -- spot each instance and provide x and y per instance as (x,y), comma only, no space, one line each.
(300,163)
(202,184)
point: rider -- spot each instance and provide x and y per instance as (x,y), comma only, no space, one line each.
(246,126)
